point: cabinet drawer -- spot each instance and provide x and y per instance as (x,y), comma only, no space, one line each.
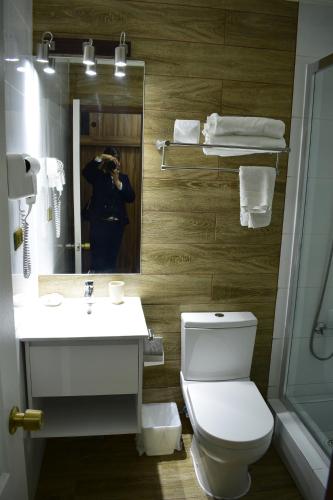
(83,370)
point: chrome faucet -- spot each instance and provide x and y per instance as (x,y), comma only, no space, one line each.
(88,291)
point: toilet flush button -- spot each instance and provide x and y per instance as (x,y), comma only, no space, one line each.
(219,315)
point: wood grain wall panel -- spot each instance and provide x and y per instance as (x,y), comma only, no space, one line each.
(167,93)
(162,394)
(112,91)
(115,125)
(203,258)
(186,195)
(198,195)
(222,63)
(256,99)
(177,227)
(195,255)
(244,288)
(164,21)
(250,29)
(153,289)
(165,319)
(278,7)
(159,376)
(230,232)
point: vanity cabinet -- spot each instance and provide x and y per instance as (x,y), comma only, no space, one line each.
(87,384)
(83,369)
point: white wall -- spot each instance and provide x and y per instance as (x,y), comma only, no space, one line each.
(18,35)
(37,124)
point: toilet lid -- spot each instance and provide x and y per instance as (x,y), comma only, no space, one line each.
(231,413)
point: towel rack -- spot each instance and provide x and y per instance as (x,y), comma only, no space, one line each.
(165,144)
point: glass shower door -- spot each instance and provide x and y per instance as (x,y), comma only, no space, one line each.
(309,386)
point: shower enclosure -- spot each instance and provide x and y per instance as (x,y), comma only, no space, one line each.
(308,388)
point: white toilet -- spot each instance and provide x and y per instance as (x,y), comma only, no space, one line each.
(232,424)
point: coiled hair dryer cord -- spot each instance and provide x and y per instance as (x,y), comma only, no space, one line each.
(26,248)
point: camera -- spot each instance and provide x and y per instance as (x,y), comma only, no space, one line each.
(110,166)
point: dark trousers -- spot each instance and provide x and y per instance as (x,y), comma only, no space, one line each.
(105,241)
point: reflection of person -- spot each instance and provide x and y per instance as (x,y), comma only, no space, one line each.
(107,210)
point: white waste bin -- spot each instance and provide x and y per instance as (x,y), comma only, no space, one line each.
(161,429)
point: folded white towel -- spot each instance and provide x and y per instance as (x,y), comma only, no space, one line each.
(186,131)
(256,186)
(244,125)
(237,140)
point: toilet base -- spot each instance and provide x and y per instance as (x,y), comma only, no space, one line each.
(220,481)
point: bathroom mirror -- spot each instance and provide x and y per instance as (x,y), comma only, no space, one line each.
(99,207)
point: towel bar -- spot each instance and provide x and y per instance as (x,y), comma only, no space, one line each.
(164,144)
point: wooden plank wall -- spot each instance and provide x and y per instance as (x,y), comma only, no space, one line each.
(124,92)
(202,56)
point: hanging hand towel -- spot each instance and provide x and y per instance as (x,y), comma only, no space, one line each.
(187,131)
(243,141)
(256,186)
(245,125)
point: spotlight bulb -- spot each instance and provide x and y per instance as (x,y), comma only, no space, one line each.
(50,68)
(119,72)
(91,71)
(20,68)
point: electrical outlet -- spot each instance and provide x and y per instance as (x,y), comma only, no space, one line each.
(18,238)
(49,214)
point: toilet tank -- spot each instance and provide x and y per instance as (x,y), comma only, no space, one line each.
(216,345)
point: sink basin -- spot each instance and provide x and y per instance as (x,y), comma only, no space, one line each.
(71,320)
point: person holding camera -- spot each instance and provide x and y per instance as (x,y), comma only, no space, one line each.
(107,208)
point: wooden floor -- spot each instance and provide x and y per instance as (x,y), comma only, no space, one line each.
(109,468)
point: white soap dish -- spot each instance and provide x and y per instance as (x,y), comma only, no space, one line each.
(51,299)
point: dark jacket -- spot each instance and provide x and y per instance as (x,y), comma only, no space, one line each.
(107,200)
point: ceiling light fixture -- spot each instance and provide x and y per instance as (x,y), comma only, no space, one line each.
(50,68)
(46,44)
(121,51)
(91,70)
(21,68)
(88,53)
(119,71)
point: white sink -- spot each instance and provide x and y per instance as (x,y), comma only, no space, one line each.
(70,320)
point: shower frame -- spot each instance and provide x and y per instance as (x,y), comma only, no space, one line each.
(302,179)
(293,438)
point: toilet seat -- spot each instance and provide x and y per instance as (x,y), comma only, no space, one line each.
(231,414)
